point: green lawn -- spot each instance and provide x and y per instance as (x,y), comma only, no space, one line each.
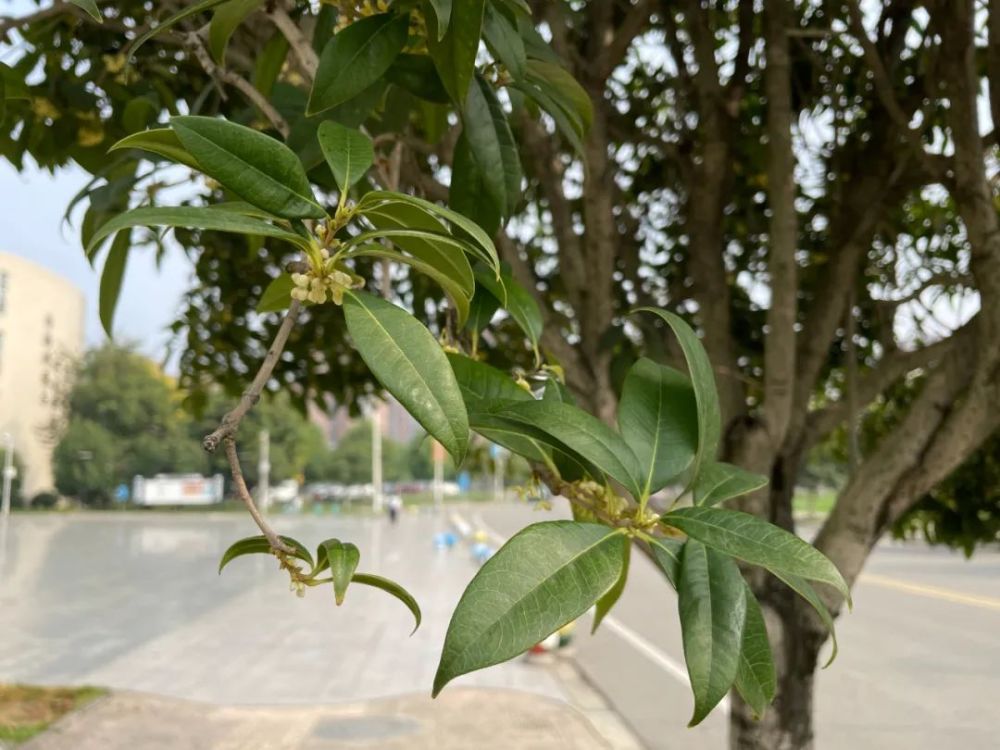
(26,710)
(814,502)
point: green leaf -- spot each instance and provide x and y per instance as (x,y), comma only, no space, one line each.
(417,74)
(162,141)
(111,278)
(485,249)
(755,679)
(459,295)
(342,560)
(467,191)
(91,8)
(606,602)
(720,481)
(484,306)
(392,588)
(355,58)
(194,218)
(569,126)
(454,54)
(349,152)
(517,301)
(437,249)
(15,86)
(482,384)
(433,247)
(658,418)
(579,433)
(667,553)
(259,169)
(757,542)
(559,84)
(186,12)
(277,296)
(504,42)
(259,545)
(225,21)
(492,146)
(406,359)
(269,63)
(705,393)
(803,588)
(441,14)
(544,577)
(712,606)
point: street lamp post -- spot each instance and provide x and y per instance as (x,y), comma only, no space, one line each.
(9,472)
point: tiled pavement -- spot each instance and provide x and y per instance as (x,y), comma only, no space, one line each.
(132,601)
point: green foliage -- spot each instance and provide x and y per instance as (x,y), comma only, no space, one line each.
(712,611)
(544,577)
(410,364)
(311,197)
(964,511)
(339,559)
(125,419)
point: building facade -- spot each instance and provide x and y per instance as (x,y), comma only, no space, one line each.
(41,339)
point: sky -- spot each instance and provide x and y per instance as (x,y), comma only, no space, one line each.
(32,226)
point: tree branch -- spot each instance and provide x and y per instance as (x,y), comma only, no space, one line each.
(300,46)
(244,494)
(635,21)
(821,422)
(779,345)
(243,85)
(883,84)
(231,422)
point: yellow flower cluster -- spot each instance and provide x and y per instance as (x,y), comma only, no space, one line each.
(324,281)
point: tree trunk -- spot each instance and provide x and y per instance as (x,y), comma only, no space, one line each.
(796,640)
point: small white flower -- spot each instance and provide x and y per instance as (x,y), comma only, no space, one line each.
(300,279)
(300,294)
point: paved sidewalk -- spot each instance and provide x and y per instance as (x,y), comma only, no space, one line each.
(464,718)
(132,602)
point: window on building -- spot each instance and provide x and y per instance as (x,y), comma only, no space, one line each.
(3,290)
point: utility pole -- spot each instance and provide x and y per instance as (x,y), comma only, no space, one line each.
(9,472)
(264,471)
(499,465)
(377,457)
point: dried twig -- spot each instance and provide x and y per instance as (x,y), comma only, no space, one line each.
(210,67)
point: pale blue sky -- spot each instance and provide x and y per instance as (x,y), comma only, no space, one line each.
(31,226)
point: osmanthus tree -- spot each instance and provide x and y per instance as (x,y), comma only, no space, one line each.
(322,214)
(799,180)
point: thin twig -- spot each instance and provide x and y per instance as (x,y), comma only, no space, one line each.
(245,87)
(247,498)
(227,428)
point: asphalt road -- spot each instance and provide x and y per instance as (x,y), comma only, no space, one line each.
(919,661)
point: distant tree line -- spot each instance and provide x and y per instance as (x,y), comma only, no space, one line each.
(124,418)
